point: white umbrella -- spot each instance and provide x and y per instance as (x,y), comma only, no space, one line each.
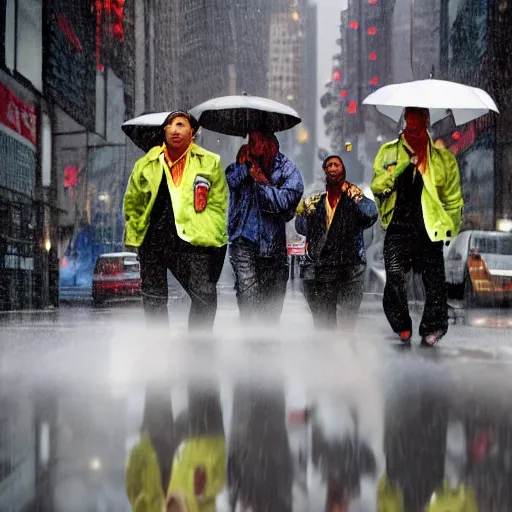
(239,115)
(441,97)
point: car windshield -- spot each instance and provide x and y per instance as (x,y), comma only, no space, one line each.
(109,266)
(493,245)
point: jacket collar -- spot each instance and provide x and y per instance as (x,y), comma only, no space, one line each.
(155,152)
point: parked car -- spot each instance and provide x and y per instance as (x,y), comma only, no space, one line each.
(479,268)
(116,275)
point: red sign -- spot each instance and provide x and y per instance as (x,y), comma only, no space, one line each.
(109,16)
(17,115)
(297,249)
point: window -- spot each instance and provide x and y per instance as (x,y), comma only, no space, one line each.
(494,245)
(23,39)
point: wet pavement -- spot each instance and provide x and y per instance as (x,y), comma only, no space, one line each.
(96,413)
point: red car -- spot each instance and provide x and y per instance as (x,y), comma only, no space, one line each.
(116,275)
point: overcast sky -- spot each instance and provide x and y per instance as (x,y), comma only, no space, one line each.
(328,19)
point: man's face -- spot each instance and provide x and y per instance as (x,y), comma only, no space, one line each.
(257,143)
(178,133)
(416,120)
(334,170)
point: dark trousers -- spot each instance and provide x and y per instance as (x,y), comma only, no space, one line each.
(335,289)
(404,250)
(260,282)
(197,271)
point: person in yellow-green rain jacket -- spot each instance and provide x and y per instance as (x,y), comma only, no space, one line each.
(418,195)
(175,208)
(444,499)
(177,467)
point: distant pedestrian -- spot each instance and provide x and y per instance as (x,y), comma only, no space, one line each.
(333,223)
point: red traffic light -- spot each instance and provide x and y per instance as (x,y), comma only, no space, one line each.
(336,75)
(352,107)
(372,2)
(354,25)
(372,31)
(374,80)
(372,56)
(343,93)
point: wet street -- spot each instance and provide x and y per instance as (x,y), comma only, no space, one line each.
(290,419)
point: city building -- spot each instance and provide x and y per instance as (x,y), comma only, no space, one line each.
(26,186)
(474,36)
(362,66)
(307,140)
(90,76)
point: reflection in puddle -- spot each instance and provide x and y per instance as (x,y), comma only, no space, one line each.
(412,434)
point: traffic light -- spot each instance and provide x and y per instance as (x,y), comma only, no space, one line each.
(326,100)
(352,107)
(336,75)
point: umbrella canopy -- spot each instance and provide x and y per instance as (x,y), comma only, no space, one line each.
(239,115)
(442,98)
(146,131)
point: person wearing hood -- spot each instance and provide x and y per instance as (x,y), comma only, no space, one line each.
(265,188)
(175,208)
(333,223)
(418,193)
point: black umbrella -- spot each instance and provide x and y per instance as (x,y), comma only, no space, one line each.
(240,115)
(146,131)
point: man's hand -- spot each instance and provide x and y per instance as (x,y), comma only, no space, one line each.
(258,175)
(353,192)
(243,157)
(307,206)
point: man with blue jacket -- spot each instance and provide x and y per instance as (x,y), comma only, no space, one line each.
(265,188)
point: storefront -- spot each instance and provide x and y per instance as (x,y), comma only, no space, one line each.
(18,164)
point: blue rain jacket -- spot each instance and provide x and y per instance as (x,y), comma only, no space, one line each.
(259,213)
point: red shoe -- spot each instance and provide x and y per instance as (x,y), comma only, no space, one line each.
(405,336)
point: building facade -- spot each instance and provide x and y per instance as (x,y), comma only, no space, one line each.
(475,39)
(90,61)
(26,204)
